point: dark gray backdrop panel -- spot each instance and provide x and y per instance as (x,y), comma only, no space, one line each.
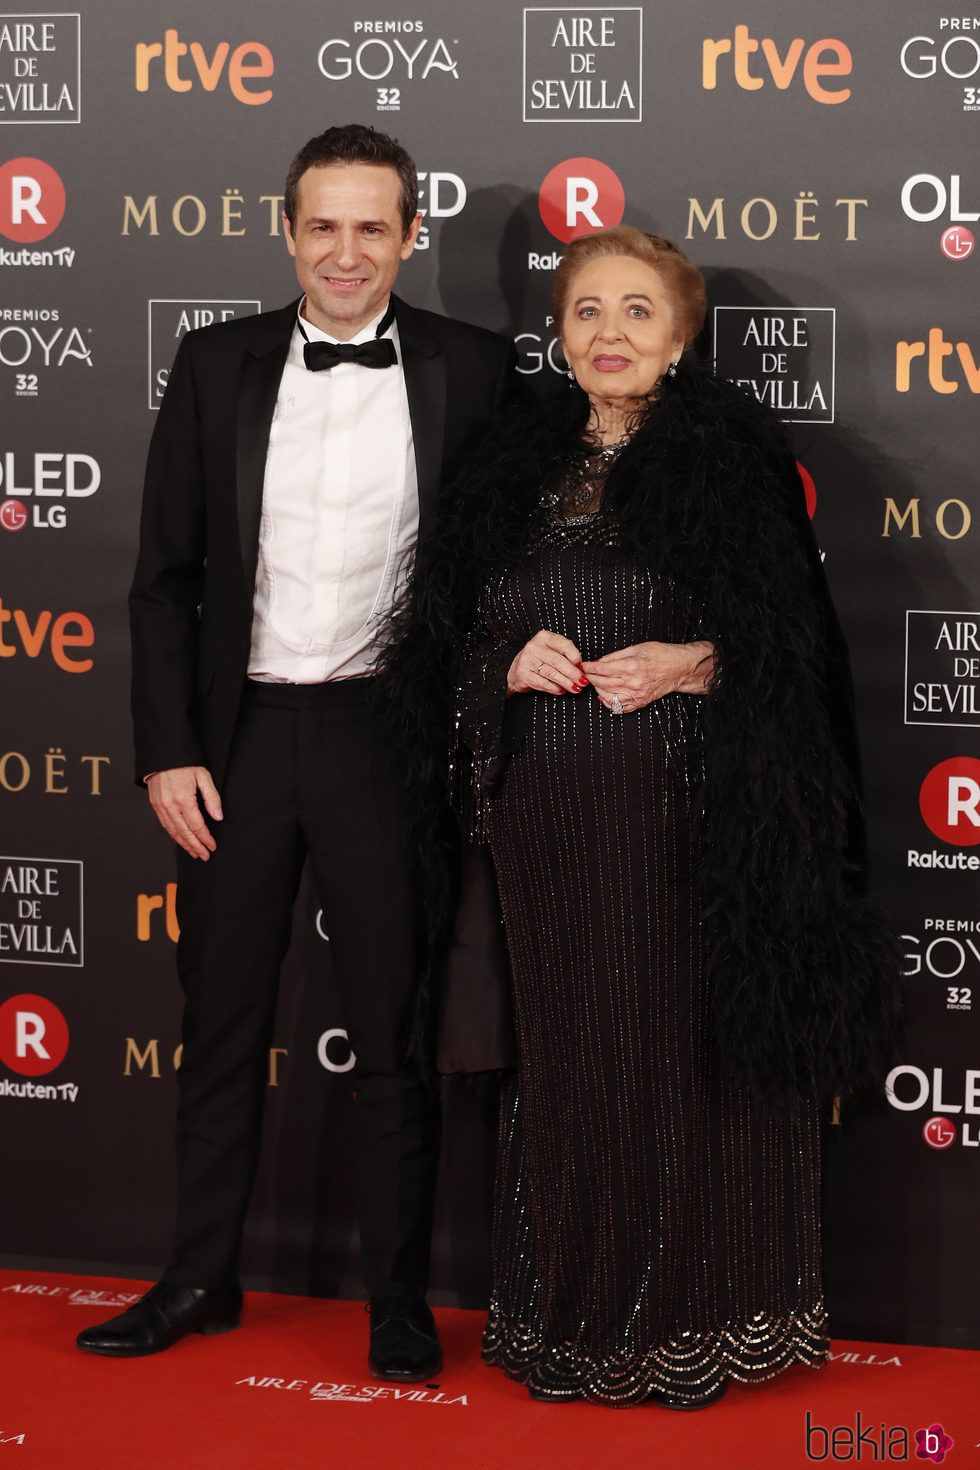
(168,202)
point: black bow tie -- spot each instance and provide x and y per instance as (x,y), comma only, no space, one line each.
(378,353)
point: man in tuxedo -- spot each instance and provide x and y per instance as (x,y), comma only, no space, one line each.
(296,457)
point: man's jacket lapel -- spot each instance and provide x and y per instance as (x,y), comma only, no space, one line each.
(260,375)
(424,365)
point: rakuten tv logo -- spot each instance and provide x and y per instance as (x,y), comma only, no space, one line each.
(579,197)
(32,200)
(33,1035)
(949,801)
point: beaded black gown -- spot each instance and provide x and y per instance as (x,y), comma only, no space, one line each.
(655,1230)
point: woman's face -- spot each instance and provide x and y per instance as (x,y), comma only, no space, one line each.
(617,334)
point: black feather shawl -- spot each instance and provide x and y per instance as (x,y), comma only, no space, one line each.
(803,974)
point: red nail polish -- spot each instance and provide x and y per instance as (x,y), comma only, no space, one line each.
(584,681)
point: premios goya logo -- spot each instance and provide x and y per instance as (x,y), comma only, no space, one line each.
(388,56)
(40,68)
(947,951)
(583,64)
(34,340)
(948,59)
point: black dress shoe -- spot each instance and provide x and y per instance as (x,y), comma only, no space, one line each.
(404,1345)
(687,1401)
(162,1317)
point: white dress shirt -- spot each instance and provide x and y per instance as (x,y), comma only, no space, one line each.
(340,516)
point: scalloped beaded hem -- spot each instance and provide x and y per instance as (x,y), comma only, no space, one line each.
(695,1367)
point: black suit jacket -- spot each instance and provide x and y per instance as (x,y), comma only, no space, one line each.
(191,600)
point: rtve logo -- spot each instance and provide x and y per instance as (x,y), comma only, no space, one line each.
(933,352)
(779,69)
(580,196)
(240,70)
(32,200)
(949,800)
(33,1035)
(68,631)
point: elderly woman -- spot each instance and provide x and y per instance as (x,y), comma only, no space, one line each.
(653,693)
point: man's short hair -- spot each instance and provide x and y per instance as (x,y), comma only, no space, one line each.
(354,143)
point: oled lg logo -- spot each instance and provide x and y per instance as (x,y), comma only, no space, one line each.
(34,1042)
(241,70)
(580,196)
(926,198)
(32,205)
(957,242)
(939,1133)
(908,1089)
(48,481)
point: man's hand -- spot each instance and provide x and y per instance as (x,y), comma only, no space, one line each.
(549,663)
(174,798)
(648,671)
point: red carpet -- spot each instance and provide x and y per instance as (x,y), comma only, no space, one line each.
(291,1388)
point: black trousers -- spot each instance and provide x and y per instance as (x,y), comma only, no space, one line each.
(309,774)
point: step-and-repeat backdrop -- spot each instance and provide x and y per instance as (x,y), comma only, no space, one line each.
(821,166)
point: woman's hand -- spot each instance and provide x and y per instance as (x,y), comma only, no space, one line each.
(549,663)
(648,671)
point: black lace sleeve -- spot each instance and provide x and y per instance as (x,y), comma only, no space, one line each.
(485,730)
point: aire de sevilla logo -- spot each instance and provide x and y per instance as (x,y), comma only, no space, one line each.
(949,800)
(580,196)
(33,1035)
(32,200)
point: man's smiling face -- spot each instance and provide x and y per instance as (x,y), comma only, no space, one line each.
(348,242)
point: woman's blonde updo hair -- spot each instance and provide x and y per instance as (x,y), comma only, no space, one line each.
(682,282)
